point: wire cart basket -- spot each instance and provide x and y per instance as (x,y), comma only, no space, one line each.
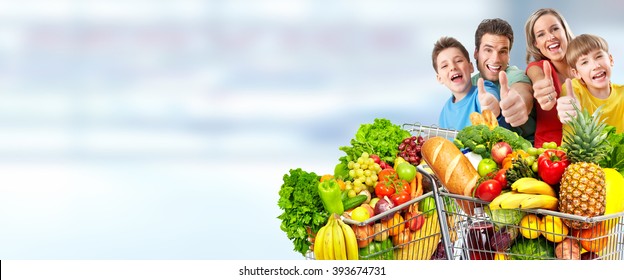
(402,233)
(406,232)
(503,234)
(528,234)
(447,232)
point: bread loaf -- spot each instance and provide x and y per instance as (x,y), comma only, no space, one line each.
(452,168)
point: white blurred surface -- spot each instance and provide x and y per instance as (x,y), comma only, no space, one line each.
(162,129)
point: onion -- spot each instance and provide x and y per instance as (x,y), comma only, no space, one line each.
(383,205)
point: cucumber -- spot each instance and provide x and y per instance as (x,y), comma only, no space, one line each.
(353,202)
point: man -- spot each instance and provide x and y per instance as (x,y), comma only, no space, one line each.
(493,42)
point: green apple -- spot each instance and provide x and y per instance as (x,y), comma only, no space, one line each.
(486,166)
(406,171)
(373,201)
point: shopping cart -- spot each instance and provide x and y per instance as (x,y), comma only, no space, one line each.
(502,234)
(402,233)
(429,131)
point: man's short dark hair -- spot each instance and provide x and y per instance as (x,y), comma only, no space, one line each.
(495,26)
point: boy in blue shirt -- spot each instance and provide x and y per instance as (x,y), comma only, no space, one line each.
(453,68)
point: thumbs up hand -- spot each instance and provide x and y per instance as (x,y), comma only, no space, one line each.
(512,105)
(544,89)
(565,104)
(487,100)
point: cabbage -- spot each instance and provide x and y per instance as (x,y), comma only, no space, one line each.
(506,217)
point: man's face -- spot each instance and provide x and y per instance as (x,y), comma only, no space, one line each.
(492,56)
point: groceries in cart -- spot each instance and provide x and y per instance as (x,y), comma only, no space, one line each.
(417,192)
(556,202)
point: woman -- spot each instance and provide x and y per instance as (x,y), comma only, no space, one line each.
(547,37)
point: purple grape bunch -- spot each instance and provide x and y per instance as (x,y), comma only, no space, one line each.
(409,149)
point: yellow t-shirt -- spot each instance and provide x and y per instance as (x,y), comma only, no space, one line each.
(613,106)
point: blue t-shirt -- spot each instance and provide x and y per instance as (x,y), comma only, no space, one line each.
(457,115)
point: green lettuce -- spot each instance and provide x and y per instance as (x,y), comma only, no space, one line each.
(615,158)
(381,138)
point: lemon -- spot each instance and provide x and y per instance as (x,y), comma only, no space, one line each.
(530,226)
(553,228)
(360,214)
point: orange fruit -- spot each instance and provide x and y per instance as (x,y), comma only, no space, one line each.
(594,239)
(395,225)
(326,177)
(341,183)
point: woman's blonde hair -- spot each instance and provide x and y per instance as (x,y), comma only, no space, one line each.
(532,52)
(583,45)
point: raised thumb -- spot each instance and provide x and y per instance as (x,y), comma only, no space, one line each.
(481,86)
(504,87)
(546,68)
(569,89)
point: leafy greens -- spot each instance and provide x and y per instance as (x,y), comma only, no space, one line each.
(381,138)
(303,208)
(615,158)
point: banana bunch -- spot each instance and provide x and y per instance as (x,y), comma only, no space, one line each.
(335,241)
(527,193)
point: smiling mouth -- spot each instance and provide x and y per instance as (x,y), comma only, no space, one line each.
(553,46)
(456,76)
(599,75)
(493,68)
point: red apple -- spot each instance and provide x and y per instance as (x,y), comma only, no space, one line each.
(414,220)
(499,151)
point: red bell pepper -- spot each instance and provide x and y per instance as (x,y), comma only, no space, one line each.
(551,164)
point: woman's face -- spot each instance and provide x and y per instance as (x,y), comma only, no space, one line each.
(550,37)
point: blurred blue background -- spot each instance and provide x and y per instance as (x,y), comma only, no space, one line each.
(162,129)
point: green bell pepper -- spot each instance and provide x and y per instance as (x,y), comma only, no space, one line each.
(330,194)
(377,251)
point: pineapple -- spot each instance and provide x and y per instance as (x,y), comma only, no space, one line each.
(582,191)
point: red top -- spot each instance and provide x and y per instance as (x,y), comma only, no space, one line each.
(548,128)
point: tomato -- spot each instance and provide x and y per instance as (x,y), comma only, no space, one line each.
(488,190)
(501,177)
(384,189)
(386,174)
(400,197)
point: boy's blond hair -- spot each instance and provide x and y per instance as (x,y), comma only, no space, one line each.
(443,44)
(583,45)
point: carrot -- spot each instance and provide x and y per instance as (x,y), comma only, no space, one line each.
(416,188)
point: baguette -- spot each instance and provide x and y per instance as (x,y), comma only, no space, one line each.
(452,168)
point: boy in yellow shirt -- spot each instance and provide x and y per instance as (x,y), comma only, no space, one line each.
(591,63)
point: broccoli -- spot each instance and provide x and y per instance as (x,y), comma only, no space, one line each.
(480,139)
(514,140)
(472,136)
